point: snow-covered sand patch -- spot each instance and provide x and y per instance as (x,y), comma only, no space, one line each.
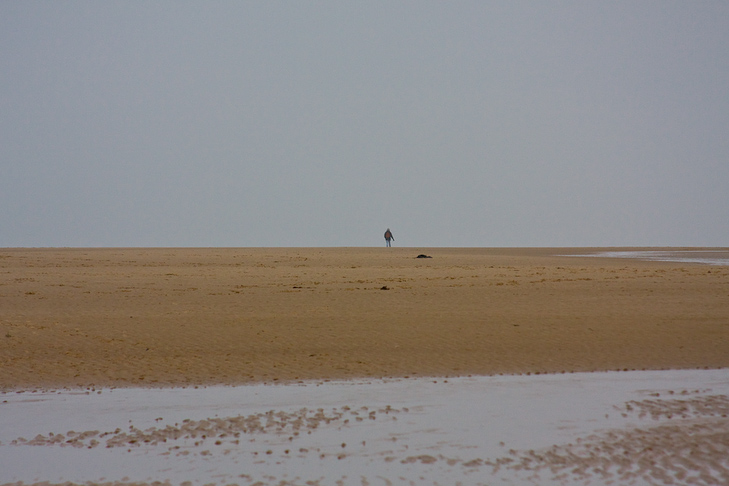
(649,427)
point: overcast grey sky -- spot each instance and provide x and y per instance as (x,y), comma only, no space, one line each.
(510,123)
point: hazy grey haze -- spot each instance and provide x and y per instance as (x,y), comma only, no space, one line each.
(323,123)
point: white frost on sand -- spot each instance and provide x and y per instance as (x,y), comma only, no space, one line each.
(653,427)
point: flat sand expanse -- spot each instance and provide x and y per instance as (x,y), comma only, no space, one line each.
(162,317)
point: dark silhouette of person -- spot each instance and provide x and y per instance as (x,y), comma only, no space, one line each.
(388,237)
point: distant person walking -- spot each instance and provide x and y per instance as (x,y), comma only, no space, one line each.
(388,237)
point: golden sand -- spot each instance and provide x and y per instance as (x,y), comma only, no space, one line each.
(159,317)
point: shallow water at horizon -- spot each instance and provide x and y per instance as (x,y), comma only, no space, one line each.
(705,257)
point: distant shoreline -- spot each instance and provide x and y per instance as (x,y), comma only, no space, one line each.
(556,248)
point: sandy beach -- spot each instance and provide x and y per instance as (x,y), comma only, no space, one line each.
(168,317)
(110,361)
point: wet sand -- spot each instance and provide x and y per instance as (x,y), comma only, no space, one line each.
(641,428)
(164,317)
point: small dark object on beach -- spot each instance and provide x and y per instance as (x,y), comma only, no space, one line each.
(384,287)
(423,256)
